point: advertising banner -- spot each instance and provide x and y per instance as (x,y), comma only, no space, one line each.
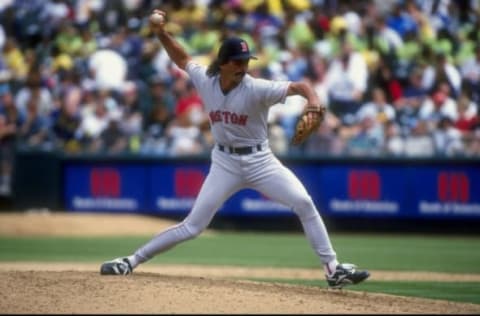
(338,190)
(363,191)
(105,188)
(446,192)
(173,188)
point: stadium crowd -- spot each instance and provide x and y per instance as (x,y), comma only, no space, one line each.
(400,78)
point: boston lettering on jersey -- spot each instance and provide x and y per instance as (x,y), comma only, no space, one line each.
(228,117)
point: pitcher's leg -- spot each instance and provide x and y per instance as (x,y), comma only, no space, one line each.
(218,186)
(281,185)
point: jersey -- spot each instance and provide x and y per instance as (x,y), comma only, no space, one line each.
(239,117)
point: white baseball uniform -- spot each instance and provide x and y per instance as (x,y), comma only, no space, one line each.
(239,120)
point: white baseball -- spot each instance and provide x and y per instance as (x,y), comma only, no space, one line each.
(157,18)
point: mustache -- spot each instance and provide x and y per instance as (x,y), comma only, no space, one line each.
(240,73)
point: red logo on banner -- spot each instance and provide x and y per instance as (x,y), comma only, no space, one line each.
(105,182)
(453,187)
(364,185)
(188,182)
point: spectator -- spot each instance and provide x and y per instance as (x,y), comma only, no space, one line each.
(406,56)
(467,114)
(132,120)
(385,33)
(5,73)
(470,71)
(184,131)
(55,12)
(152,66)
(112,139)
(317,71)
(294,63)
(437,106)
(287,114)
(400,19)
(410,49)
(377,108)
(127,43)
(93,123)
(34,90)
(419,143)
(89,44)
(184,138)
(205,39)
(108,68)
(3,36)
(408,106)
(472,144)
(35,130)
(277,138)
(189,106)
(299,35)
(394,143)
(159,93)
(367,139)
(155,126)
(425,30)
(346,81)
(437,12)
(384,78)
(447,138)
(68,39)
(7,148)
(442,70)
(413,93)
(326,141)
(67,120)
(10,121)
(15,59)
(61,61)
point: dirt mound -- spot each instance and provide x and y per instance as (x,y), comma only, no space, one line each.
(67,292)
(70,288)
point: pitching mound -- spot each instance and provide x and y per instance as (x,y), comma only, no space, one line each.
(86,292)
(69,288)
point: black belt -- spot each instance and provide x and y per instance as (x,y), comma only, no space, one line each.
(240,150)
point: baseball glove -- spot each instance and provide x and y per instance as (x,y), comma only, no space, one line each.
(303,129)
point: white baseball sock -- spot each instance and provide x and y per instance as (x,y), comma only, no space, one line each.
(133,261)
(330,267)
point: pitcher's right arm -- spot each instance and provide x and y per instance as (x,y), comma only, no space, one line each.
(174,50)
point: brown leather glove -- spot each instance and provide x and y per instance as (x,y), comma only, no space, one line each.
(307,123)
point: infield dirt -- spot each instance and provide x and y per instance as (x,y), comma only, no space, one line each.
(69,288)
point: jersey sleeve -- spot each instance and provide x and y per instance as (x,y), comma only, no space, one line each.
(271,92)
(197,73)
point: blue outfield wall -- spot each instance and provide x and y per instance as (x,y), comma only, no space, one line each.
(375,188)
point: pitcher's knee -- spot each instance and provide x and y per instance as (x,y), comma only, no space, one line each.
(191,230)
(304,207)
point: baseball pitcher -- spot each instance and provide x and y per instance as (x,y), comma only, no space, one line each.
(237,105)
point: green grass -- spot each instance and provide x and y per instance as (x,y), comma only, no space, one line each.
(375,252)
(467,292)
(382,252)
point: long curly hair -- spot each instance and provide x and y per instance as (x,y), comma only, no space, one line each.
(214,68)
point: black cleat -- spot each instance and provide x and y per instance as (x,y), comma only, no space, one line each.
(118,266)
(346,274)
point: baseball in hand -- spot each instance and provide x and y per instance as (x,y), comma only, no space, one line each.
(157,18)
